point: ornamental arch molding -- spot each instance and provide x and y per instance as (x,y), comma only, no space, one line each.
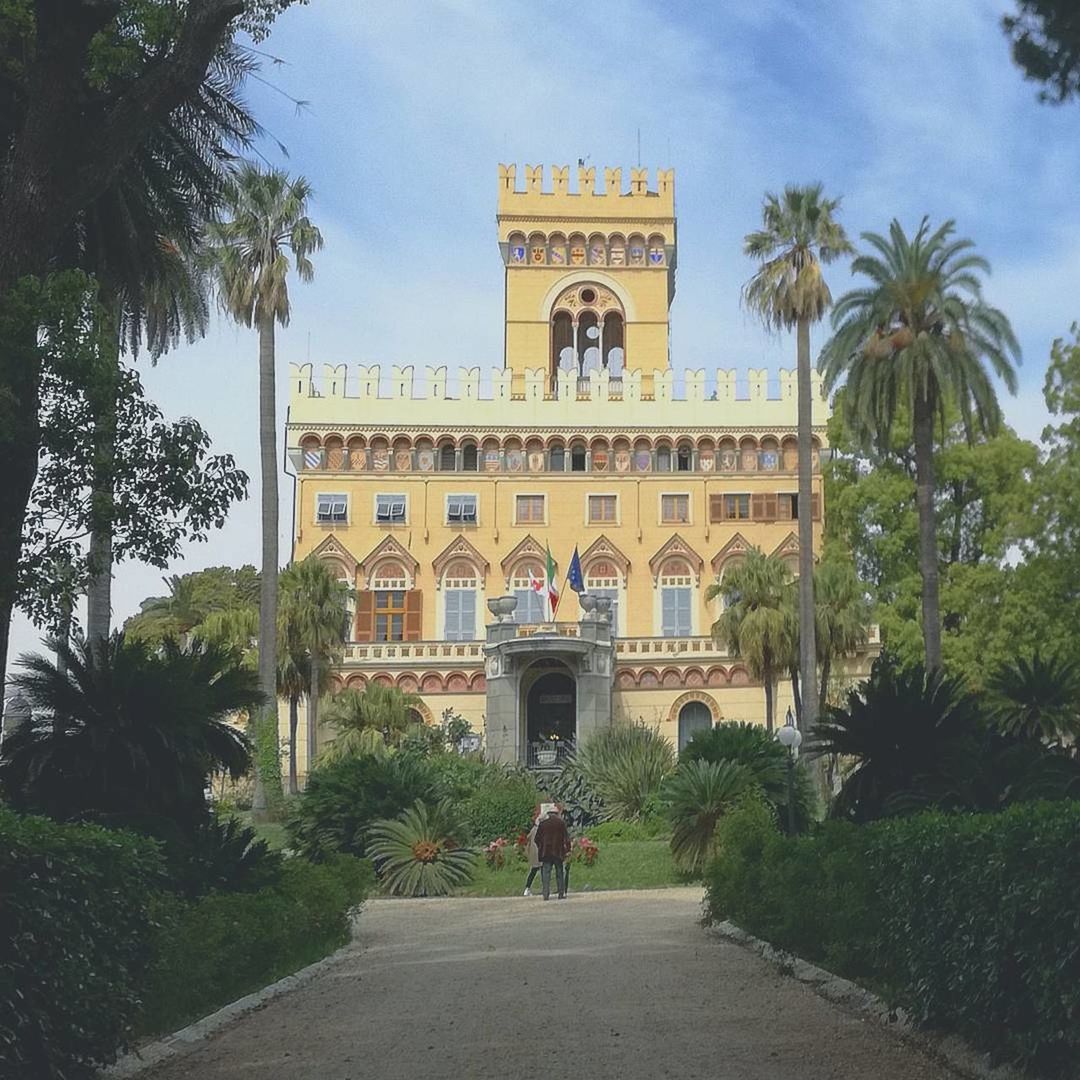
(695,695)
(590,276)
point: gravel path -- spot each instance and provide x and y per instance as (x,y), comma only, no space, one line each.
(603,985)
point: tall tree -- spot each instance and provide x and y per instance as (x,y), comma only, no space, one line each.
(1045,37)
(798,234)
(842,612)
(755,623)
(83,83)
(916,339)
(354,715)
(266,222)
(314,620)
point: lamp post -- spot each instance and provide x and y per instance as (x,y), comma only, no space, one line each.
(790,737)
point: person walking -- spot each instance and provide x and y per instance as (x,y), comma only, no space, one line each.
(553,846)
(533,855)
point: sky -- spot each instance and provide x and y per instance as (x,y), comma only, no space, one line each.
(900,107)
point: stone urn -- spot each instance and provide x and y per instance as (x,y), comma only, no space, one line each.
(588,604)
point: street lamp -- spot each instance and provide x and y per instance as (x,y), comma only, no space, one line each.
(790,737)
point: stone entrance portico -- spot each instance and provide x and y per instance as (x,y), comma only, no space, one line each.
(517,655)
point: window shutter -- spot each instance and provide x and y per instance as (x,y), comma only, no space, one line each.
(770,508)
(365,615)
(683,619)
(783,508)
(815,507)
(452,628)
(414,615)
(669,613)
(716,507)
(467,617)
(757,507)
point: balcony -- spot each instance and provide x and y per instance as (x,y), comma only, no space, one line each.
(548,755)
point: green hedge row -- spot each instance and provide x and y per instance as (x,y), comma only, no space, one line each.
(970,922)
(218,948)
(93,953)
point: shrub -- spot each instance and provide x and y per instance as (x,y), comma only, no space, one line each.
(584,850)
(503,808)
(625,766)
(495,853)
(213,950)
(968,921)
(76,910)
(698,794)
(418,854)
(582,806)
(458,776)
(752,746)
(614,831)
(224,856)
(343,798)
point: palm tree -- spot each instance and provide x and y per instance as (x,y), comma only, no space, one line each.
(916,339)
(314,620)
(250,253)
(842,615)
(799,233)
(139,239)
(1037,697)
(174,615)
(127,732)
(755,623)
(355,714)
(294,679)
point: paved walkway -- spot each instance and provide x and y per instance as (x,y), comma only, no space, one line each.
(603,986)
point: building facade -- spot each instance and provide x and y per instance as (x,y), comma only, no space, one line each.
(438,499)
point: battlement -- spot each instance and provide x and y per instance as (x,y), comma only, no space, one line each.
(635,202)
(365,396)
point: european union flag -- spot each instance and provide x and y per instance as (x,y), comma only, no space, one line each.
(573,576)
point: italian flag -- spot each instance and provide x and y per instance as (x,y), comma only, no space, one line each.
(552,584)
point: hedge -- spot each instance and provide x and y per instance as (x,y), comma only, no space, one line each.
(213,950)
(971,922)
(76,926)
(93,953)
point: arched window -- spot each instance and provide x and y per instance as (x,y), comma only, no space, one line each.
(390,584)
(557,458)
(656,250)
(557,249)
(460,589)
(528,586)
(614,349)
(663,459)
(636,250)
(602,579)
(617,250)
(587,330)
(537,249)
(684,458)
(676,599)
(597,250)
(693,716)
(447,457)
(517,249)
(577,457)
(562,343)
(470,457)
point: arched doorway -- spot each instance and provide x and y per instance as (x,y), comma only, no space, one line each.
(693,716)
(550,718)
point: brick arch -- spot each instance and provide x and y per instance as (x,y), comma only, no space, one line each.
(456,681)
(425,713)
(694,676)
(625,680)
(337,684)
(648,677)
(739,676)
(694,695)
(478,683)
(671,677)
(432,683)
(356,682)
(716,676)
(383,678)
(407,683)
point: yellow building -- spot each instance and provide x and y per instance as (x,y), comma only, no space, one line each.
(438,498)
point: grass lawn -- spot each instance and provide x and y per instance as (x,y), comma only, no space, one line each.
(634,864)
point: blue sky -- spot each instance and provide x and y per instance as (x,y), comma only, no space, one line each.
(902,107)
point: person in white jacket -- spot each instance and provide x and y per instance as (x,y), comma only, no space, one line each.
(533,855)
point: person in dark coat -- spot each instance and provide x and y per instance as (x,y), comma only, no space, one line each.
(553,847)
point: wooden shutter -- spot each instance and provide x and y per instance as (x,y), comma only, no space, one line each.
(467,617)
(783,507)
(815,507)
(365,615)
(770,508)
(452,629)
(414,615)
(669,612)
(716,507)
(757,507)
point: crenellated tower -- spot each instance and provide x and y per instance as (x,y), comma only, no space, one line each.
(590,274)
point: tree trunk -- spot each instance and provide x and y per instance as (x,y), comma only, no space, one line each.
(294,723)
(826,671)
(313,714)
(269,580)
(768,680)
(796,696)
(928,552)
(20,384)
(99,587)
(807,647)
